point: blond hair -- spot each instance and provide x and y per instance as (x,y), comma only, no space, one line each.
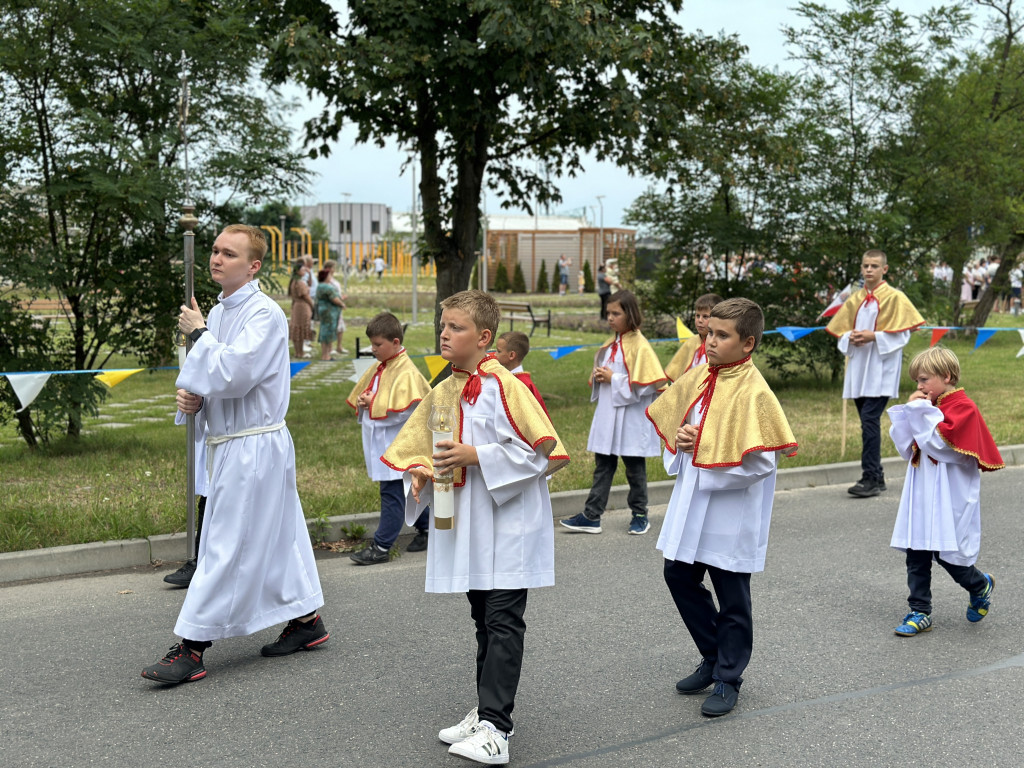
(481,307)
(518,342)
(257,240)
(937,361)
(874,253)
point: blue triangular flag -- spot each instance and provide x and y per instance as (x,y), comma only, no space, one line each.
(561,351)
(296,367)
(793,332)
(984,334)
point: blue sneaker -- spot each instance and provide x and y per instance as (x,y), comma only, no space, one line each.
(979,605)
(582,524)
(914,623)
(639,525)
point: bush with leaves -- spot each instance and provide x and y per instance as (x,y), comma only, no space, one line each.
(542,278)
(588,278)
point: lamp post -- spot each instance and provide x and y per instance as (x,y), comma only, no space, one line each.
(346,211)
(415,247)
(600,256)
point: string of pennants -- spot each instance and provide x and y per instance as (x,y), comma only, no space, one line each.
(28,385)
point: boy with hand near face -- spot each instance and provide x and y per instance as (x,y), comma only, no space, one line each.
(691,352)
(947,444)
(384,398)
(873,326)
(722,427)
(512,349)
(502,542)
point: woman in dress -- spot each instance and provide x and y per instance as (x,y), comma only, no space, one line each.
(328,305)
(302,308)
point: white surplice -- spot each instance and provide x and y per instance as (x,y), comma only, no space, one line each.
(872,370)
(940,507)
(378,434)
(720,516)
(620,426)
(503,536)
(256,565)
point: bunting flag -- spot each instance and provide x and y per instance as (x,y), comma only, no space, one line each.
(682,332)
(27,386)
(435,364)
(1021,332)
(296,367)
(937,334)
(984,334)
(361,364)
(793,332)
(113,378)
(562,351)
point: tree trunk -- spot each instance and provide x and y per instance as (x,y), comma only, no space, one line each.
(26,429)
(1001,278)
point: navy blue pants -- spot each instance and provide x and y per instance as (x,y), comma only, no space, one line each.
(604,471)
(724,635)
(919,578)
(392,514)
(870,410)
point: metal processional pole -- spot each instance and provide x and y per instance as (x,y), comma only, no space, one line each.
(188,223)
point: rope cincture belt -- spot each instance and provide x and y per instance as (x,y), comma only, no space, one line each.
(214,440)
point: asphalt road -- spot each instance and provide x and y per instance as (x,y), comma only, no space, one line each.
(829,683)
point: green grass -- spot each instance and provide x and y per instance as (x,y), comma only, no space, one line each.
(124,483)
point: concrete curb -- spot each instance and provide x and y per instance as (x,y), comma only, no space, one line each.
(106,555)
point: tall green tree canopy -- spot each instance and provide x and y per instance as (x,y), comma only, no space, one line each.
(91,167)
(490,91)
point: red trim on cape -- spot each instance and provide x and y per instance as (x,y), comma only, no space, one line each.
(965,431)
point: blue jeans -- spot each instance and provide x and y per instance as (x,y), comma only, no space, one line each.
(870,410)
(392,514)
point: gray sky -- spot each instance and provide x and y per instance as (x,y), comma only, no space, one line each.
(374,175)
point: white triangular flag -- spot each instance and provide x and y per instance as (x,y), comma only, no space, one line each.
(27,386)
(1021,332)
(361,364)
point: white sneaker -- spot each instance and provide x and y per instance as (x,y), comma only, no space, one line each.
(463,730)
(484,746)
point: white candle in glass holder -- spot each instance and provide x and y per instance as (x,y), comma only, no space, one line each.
(442,425)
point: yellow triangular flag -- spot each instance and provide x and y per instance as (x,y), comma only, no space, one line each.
(114,378)
(682,332)
(435,364)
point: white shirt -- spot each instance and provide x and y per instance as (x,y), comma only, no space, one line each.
(620,426)
(872,370)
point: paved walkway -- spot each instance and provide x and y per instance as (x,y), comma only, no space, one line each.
(829,684)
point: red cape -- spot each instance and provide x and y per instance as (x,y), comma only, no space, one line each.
(524,377)
(965,431)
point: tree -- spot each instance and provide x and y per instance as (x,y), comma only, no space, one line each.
(518,280)
(588,278)
(91,164)
(542,278)
(501,284)
(489,89)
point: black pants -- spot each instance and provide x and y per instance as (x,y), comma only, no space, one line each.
(604,305)
(500,630)
(919,578)
(725,635)
(604,471)
(200,513)
(870,410)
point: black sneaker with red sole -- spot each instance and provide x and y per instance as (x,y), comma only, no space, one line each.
(180,665)
(298,636)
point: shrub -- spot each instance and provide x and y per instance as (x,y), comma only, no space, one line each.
(501,278)
(518,281)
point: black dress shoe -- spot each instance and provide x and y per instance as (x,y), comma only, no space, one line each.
(699,680)
(722,701)
(866,487)
(419,542)
(183,576)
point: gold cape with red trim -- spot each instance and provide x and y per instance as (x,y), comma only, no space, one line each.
(401,386)
(895,312)
(414,444)
(682,360)
(743,414)
(642,365)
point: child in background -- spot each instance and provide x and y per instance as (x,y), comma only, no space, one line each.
(513,347)
(691,352)
(384,398)
(947,444)
(501,543)
(626,378)
(722,427)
